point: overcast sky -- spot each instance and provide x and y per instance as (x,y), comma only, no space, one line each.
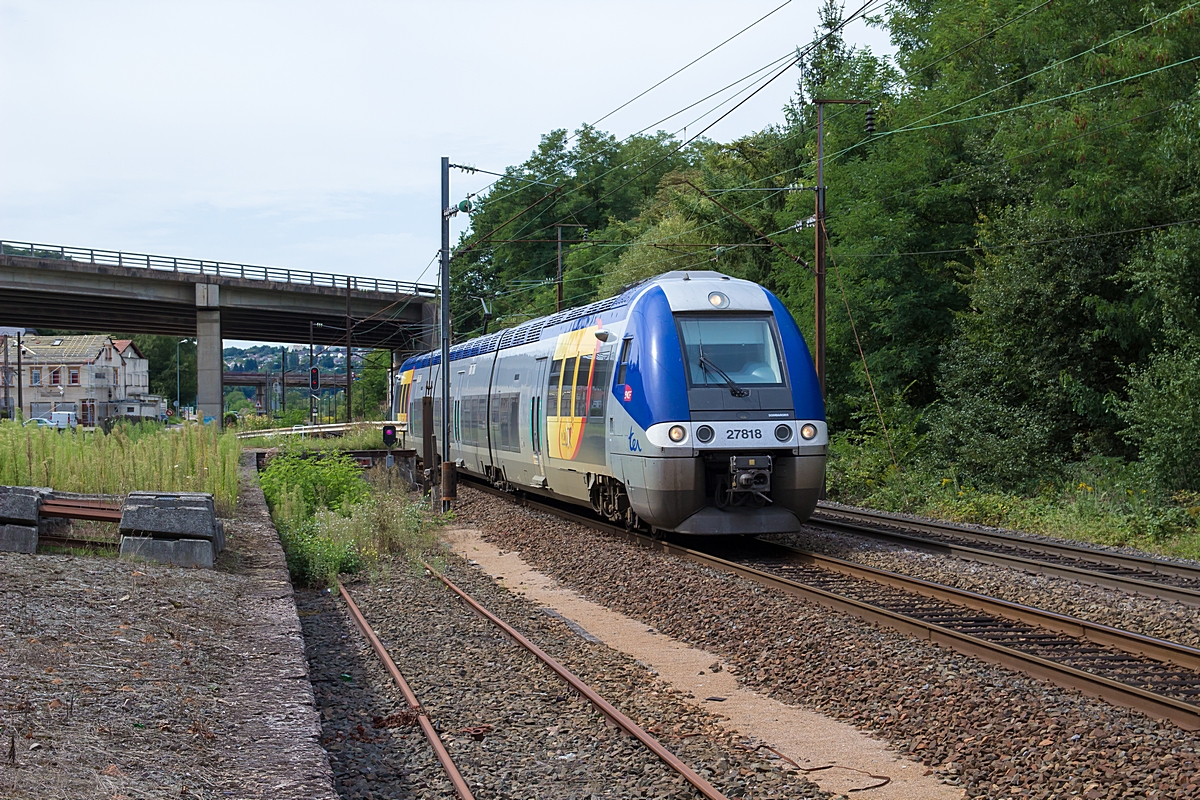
(307,135)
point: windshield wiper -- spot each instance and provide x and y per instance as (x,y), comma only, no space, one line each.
(709,366)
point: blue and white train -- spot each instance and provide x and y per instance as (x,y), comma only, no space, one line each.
(689,403)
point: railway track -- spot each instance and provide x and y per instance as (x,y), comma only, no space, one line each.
(462,790)
(1150,577)
(1155,676)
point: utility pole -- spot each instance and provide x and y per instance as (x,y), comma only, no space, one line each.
(819,251)
(312,364)
(349,327)
(20,399)
(4,344)
(283,379)
(819,219)
(445,329)
(559,280)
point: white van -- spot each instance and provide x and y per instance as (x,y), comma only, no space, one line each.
(64,419)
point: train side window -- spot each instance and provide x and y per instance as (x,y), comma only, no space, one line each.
(582,382)
(552,389)
(626,346)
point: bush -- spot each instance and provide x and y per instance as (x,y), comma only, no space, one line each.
(329,481)
(1163,414)
(331,521)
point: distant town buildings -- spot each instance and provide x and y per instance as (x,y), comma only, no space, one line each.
(94,376)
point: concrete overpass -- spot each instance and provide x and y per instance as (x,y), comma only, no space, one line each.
(103,291)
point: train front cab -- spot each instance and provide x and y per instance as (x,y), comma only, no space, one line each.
(720,426)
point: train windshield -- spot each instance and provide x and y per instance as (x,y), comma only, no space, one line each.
(723,349)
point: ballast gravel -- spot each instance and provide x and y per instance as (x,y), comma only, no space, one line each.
(995,733)
(513,727)
(1146,615)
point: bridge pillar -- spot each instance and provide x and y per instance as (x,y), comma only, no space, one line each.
(210,364)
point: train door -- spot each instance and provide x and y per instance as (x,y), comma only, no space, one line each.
(576,394)
(537,421)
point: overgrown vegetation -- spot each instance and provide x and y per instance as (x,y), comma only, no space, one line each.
(1018,244)
(333,520)
(145,457)
(360,437)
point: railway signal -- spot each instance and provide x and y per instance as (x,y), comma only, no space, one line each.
(314,379)
(389,436)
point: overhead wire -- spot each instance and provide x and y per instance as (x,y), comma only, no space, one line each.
(1052,144)
(655,86)
(800,54)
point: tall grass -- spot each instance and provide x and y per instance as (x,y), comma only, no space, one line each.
(1103,500)
(194,458)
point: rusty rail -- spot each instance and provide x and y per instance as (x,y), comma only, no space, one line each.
(435,741)
(1184,714)
(95,511)
(608,709)
(1150,577)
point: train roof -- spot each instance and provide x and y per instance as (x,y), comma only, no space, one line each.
(531,331)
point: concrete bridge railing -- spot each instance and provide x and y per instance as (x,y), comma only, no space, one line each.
(224,269)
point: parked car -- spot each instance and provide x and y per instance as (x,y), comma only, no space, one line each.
(58,419)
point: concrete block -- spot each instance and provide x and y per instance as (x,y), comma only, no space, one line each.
(180,552)
(18,538)
(21,503)
(170,516)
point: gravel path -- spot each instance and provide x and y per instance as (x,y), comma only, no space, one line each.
(1150,616)
(545,741)
(996,733)
(122,680)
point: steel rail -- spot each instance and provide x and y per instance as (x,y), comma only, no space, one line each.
(1139,571)
(435,741)
(1184,714)
(80,509)
(1147,588)
(605,707)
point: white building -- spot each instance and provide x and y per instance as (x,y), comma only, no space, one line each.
(91,375)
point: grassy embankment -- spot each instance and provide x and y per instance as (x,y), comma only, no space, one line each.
(333,519)
(1102,501)
(147,457)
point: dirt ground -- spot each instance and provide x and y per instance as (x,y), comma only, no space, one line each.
(123,680)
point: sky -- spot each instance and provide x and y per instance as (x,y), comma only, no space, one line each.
(308,135)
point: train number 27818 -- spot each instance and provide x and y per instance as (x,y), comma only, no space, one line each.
(744,433)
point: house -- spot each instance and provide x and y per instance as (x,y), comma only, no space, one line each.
(92,375)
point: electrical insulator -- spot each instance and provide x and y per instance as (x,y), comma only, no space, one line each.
(870,120)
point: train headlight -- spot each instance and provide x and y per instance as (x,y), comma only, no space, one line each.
(808,431)
(677,433)
(783,432)
(704,434)
(718,300)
